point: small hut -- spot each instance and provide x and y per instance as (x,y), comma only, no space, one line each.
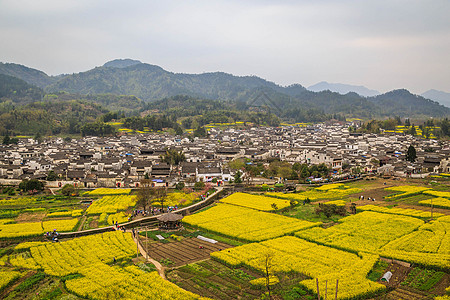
(170,221)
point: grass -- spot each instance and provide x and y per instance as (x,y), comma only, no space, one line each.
(308,212)
(414,200)
(377,270)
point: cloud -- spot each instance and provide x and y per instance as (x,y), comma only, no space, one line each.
(380,44)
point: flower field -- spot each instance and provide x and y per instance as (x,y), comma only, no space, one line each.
(101,281)
(366,231)
(293,254)
(35,228)
(400,211)
(111,204)
(255,201)
(71,256)
(181,199)
(438,194)
(444,219)
(106,191)
(7,276)
(331,186)
(318,193)
(23,201)
(89,257)
(405,191)
(245,223)
(119,217)
(437,202)
(429,245)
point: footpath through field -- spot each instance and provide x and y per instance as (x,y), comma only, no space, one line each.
(158,266)
(142,221)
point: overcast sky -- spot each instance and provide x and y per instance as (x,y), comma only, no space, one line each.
(381,44)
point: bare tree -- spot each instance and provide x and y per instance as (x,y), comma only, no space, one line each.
(268,264)
(160,196)
(145,193)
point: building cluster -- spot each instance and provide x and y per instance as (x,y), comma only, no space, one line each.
(125,160)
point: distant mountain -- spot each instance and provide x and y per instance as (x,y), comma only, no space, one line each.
(32,76)
(121,63)
(121,84)
(439,96)
(403,103)
(343,89)
(150,83)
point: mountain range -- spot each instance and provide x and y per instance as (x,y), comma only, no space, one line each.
(150,83)
(343,89)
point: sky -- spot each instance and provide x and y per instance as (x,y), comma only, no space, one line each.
(381,44)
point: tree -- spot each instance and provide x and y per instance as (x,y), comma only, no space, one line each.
(31,185)
(145,193)
(237,177)
(38,137)
(160,196)
(412,130)
(68,190)
(304,172)
(180,185)
(236,164)
(200,132)
(6,140)
(268,265)
(173,157)
(199,185)
(284,171)
(411,154)
(52,176)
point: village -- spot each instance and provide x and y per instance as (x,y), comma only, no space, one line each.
(125,160)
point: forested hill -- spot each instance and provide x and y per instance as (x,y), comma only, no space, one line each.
(32,76)
(18,91)
(150,83)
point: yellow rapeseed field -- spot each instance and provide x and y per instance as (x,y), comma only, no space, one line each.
(111,204)
(293,254)
(255,201)
(245,223)
(366,231)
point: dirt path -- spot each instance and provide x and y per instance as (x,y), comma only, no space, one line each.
(82,223)
(159,267)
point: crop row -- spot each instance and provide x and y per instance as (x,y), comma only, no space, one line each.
(438,194)
(256,202)
(400,211)
(437,202)
(245,223)
(405,191)
(106,191)
(6,277)
(72,213)
(293,254)
(315,194)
